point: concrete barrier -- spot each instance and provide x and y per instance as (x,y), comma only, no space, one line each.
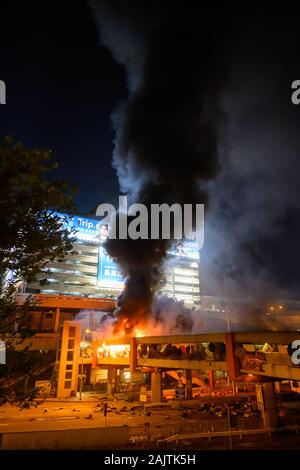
(116,437)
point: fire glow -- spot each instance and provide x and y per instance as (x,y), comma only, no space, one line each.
(113,351)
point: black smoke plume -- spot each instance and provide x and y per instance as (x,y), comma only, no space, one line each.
(168,133)
(190,71)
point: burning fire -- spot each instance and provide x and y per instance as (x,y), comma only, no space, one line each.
(113,350)
(138,333)
(128,327)
(118,350)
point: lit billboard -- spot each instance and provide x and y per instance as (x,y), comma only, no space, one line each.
(93,231)
(89,230)
(109,274)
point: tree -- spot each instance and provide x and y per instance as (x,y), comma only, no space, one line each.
(31,235)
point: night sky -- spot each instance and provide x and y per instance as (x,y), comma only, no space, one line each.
(62,87)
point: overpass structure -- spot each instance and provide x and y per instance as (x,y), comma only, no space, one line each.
(71,327)
(238,356)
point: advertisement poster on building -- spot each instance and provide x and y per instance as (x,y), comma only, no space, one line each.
(108,271)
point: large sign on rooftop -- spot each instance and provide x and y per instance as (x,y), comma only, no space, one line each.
(93,231)
(89,230)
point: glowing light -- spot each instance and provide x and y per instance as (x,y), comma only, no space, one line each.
(139,333)
(117,347)
(114,350)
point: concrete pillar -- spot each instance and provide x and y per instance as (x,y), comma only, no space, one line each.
(133,354)
(156,389)
(211,379)
(94,354)
(269,414)
(111,381)
(93,376)
(232,361)
(189,384)
(57,319)
(277,387)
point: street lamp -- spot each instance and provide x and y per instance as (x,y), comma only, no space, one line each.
(81,368)
(229,426)
(227,308)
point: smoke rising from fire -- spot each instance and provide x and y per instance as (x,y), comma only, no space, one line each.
(168,132)
(252,229)
(186,93)
(170,316)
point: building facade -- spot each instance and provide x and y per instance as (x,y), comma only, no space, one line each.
(89,271)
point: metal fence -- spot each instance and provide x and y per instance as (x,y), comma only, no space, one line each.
(154,432)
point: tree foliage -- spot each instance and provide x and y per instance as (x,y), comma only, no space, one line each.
(31,235)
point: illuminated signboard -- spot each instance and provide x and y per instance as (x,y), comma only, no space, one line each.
(109,274)
(93,231)
(89,230)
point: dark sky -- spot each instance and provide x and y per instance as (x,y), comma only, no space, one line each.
(61,89)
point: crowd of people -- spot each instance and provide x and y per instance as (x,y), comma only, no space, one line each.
(197,352)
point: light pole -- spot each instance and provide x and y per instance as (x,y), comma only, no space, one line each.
(227,309)
(229,428)
(81,364)
(226,302)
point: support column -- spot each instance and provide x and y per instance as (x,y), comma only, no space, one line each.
(189,384)
(232,361)
(269,414)
(211,379)
(111,381)
(57,318)
(277,387)
(133,354)
(94,353)
(156,389)
(93,376)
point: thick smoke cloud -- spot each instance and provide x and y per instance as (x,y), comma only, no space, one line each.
(167,133)
(252,229)
(208,114)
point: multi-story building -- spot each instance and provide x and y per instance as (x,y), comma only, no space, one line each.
(89,271)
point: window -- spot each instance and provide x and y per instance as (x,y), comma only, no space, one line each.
(68,384)
(72,331)
(68,375)
(70,356)
(71,344)
(49,315)
(69,366)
